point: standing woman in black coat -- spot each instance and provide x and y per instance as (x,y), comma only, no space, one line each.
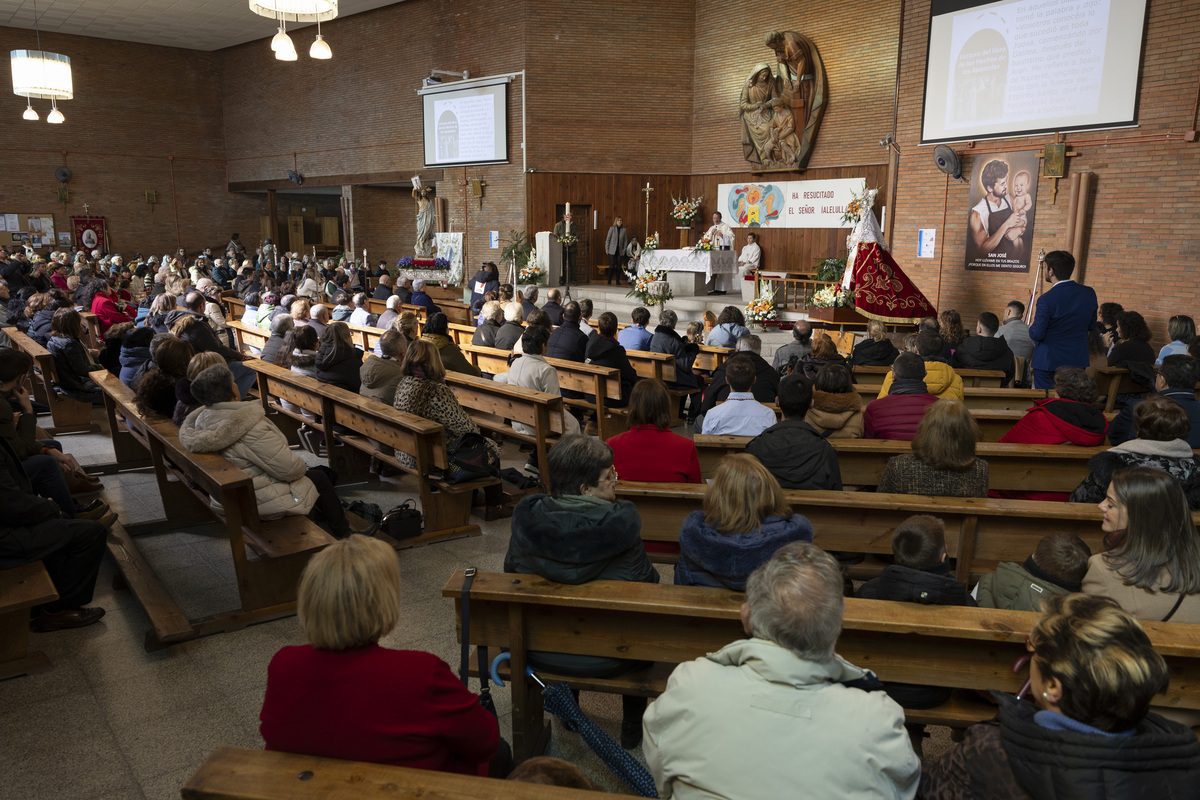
(338,360)
(1089,732)
(486,280)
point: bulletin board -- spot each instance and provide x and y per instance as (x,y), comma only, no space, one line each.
(29,228)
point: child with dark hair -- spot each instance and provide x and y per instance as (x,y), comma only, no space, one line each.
(1057,566)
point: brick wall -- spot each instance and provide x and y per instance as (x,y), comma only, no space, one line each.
(136,108)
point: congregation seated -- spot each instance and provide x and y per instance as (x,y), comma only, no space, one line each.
(840,742)
(110,352)
(1089,729)
(1152,566)
(823,352)
(876,350)
(341,307)
(792,450)
(384,290)
(185,401)
(951,329)
(940,378)
(649,451)
(578,533)
(381,374)
(766,377)
(797,348)
(73,360)
(250,313)
(319,318)
(437,333)
(510,332)
(985,350)
(1057,566)
(405,288)
(897,414)
(531,371)
(388,318)
(837,410)
(730,326)
(135,352)
(740,414)
(343,695)
(280,324)
(422,391)
(268,304)
(744,520)
(942,462)
(528,299)
(38,314)
(553,307)
(360,315)
(241,432)
(101,300)
(491,318)
(194,329)
(156,389)
(635,336)
(162,305)
(665,339)
(603,351)
(568,341)
(537,317)
(1160,426)
(1176,379)
(1132,341)
(1182,329)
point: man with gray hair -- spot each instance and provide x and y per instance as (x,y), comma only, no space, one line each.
(529,300)
(553,307)
(800,346)
(780,713)
(420,298)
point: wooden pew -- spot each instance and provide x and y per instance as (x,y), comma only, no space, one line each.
(1112,381)
(603,384)
(69,415)
(1011,467)
(978,397)
(660,366)
(961,648)
(238,773)
(461,334)
(980,532)
(187,483)
(977,378)
(22,588)
(248,336)
(91,330)
(236,306)
(709,358)
(492,405)
(377,429)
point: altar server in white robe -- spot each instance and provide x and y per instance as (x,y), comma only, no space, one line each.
(722,239)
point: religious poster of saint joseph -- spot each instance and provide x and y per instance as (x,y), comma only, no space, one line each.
(1003,202)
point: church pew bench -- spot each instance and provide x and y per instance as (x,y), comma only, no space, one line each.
(91,330)
(709,358)
(1011,467)
(238,773)
(248,338)
(235,308)
(493,405)
(601,384)
(379,432)
(188,484)
(660,366)
(982,397)
(977,378)
(961,648)
(22,588)
(461,334)
(68,414)
(980,532)
(1112,381)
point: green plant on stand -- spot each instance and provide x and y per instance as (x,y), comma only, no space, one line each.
(517,247)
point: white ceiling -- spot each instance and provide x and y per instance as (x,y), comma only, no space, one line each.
(191,24)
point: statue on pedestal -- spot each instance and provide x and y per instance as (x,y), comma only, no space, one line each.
(424,221)
(781,109)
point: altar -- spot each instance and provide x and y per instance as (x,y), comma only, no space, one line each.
(689,271)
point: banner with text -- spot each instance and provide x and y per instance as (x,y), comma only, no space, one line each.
(788,204)
(1003,204)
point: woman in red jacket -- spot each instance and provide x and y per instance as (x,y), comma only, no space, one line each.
(344,696)
(101,300)
(648,451)
(1070,418)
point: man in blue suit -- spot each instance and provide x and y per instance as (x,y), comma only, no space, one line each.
(1065,312)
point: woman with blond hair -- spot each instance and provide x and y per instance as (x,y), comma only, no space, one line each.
(342,695)
(942,462)
(1089,731)
(744,520)
(877,350)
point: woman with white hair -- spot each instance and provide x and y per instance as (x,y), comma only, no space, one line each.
(342,695)
(489,328)
(510,332)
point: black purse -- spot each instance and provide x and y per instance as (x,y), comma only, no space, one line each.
(403,522)
(485,694)
(470,459)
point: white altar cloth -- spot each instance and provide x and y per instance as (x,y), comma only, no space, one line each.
(710,262)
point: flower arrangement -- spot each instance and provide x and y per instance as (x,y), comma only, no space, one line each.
(405,262)
(531,272)
(857,203)
(567,239)
(762,308)
(441,263)
(832,296)
(704,244)
(685,209)
(651,243)
(650,288)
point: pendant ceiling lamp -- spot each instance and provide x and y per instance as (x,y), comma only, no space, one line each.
(285,11)
(46,76)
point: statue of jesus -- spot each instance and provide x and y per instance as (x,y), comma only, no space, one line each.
(424,222)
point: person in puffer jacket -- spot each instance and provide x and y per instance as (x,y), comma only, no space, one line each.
(898,415)
(135,352)
(940,378)
(744,521)
(1069,418)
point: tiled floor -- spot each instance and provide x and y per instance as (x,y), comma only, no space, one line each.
(110,720)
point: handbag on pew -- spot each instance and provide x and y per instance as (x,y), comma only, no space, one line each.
(470,459)
(403,522)
(485,694)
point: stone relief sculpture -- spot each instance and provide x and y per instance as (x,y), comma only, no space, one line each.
(424,221)
(781,108)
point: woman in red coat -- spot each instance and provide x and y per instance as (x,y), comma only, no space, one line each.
(648,451)
(103,303)
(1070,418)
(344,696)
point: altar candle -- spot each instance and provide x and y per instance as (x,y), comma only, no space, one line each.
(568,208)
